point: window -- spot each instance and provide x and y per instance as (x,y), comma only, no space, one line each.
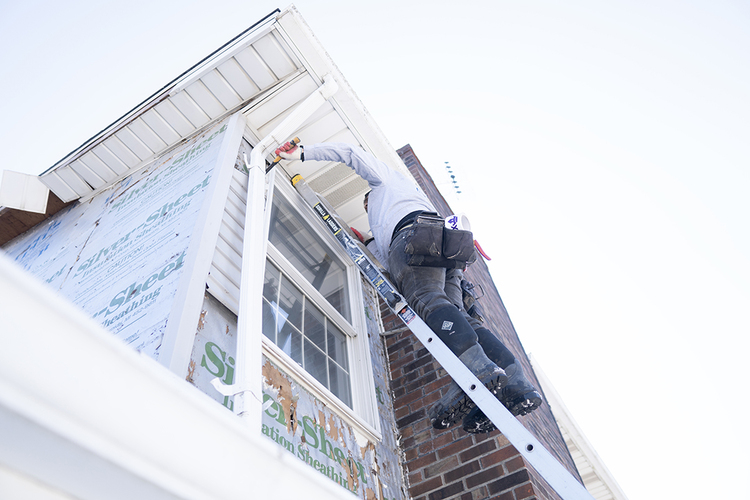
(307,308)
(293,322)
(306,251)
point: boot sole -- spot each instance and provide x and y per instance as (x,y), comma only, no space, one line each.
(520,405)
(457,409)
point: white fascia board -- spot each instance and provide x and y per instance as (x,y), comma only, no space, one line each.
(85,415)
(23,192)
(190,76)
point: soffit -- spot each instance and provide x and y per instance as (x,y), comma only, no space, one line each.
(241,72)
(264,73)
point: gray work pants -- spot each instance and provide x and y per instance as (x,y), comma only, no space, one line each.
(428,289)
(424,288)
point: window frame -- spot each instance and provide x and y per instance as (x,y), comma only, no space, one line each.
(364,412)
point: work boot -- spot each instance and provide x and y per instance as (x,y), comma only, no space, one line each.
(455,405)
(518,396)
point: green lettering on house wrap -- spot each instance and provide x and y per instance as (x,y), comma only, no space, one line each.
(136,288)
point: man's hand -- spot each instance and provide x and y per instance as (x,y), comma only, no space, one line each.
(289,151)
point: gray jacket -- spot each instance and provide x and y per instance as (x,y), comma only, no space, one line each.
(393,196)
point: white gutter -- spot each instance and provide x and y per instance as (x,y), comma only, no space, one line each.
(92,419)
(248,388)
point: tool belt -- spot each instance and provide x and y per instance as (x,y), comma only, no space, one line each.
(430,243)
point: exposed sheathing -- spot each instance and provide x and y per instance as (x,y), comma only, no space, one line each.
(305,426)
(387,468)
(214,349)
(120,255)
(279,385)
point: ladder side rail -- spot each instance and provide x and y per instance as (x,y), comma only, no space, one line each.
(527,445)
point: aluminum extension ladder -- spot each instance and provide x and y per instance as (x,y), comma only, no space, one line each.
(532,450)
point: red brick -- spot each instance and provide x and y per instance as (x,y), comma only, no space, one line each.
(425,448)
(484,477)
(443,439)
(524,491)
(479,493)
(430,398)
(411,454)
(420,462)
(408,444)
(407,398)
(440,467)
(499,456)
(514,464)
(456,447)
(429,485)
(419,382)
(401,412)
(422,424)
(423,436)
(402,361)
(416,477)
(501,441)
(508,495)
(508,482)
(478,438)
(436,385)
(447,492)
(411,418)
(477,450)
(418,404)
(461,472)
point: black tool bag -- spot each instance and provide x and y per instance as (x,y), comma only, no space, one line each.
(431,244)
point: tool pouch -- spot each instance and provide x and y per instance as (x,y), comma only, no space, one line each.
(430,243)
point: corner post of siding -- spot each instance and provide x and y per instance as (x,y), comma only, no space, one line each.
(248,390)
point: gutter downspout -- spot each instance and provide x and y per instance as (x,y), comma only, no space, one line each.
(248,389)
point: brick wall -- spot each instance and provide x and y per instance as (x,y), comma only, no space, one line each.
(452,463)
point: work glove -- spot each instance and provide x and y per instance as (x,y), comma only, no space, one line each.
(289,151)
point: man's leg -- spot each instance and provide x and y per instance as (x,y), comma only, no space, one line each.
(423,289)
(519,395)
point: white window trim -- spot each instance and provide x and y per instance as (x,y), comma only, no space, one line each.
(364,416)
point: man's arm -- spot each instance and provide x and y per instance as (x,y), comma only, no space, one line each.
(374,171)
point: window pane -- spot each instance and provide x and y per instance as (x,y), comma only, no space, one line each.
(270,300)
(271,283)
(315,329)
(290,302)
(269,321)
(315,363)
(337,346)
(340,383)
(293,237)
(292,344)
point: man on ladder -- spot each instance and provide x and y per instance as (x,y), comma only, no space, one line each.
(409,242)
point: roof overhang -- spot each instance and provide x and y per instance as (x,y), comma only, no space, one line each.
(264,72)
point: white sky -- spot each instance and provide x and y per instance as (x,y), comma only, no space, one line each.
(602,150)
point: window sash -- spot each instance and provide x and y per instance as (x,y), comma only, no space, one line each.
(291,320)
(363,412)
